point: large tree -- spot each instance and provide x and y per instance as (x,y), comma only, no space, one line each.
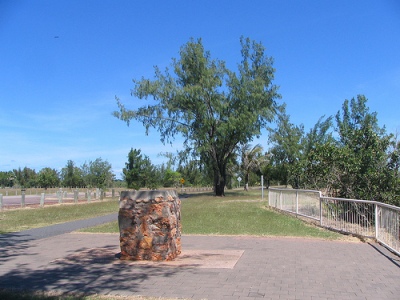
(361,163)
(366,146)
(213,108)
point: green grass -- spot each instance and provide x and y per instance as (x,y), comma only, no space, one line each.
(239,213)
(26,218)
(29,295)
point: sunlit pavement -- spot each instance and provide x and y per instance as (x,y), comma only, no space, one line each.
(210,267)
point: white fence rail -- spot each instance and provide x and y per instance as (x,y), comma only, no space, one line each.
(21,198)
(361,217)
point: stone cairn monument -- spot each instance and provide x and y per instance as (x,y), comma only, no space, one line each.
(150,225)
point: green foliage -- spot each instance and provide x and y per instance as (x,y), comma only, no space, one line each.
(361,162)
(139,172)
(72,176)
(48,177)
(25,177)
(97,173)
(358,164)
(365,152)
(212,108)
(287,149)
(171,178)
(312,142)
(195,174)
(6,179)
(252,159)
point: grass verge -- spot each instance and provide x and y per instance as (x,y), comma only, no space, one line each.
(29,295)
(238,213)
(27,218)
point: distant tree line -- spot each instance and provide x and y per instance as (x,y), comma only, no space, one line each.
(140,172)
(97,173)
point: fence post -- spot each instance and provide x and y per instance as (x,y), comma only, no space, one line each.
(22,198)
(59,196)
(1,201)
(297,202)
(41,199)
(320,208)
(262,188)
(75,196)
(112,193)
(376,222)
(88,196)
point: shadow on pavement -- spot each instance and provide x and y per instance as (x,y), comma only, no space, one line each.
(390,256)
(87,271)
(11,244)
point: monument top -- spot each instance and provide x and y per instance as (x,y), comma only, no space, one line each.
(142,195)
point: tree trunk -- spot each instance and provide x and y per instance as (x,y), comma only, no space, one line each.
(219,180)
(220,189)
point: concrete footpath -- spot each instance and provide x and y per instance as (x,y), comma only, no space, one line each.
(210,267)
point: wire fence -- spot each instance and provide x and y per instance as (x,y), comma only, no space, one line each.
(360,217)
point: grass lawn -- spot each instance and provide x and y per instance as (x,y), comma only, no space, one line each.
(26,218)
(238,213)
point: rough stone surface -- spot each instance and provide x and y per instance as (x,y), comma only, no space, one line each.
(150,225)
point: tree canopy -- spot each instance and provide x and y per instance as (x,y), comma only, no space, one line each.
(213,108)
(354,159)
(252,159)
(139,171)
(71,175)
(48,177)
(97,173)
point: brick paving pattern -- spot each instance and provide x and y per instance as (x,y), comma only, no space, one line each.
(264,268)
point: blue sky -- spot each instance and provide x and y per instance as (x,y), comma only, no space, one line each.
(63,62)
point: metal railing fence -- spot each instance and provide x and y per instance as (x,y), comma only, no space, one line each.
(361,217)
